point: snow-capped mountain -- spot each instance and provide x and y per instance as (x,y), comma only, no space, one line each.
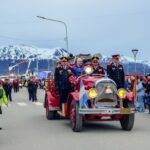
(13,54)
(19,52)
(127,60)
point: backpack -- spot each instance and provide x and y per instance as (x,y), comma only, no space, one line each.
(1,93)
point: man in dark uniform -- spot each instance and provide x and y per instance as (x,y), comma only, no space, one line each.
(16,85)
(62,74)
(32,89)
(116,72)
(8,89)
(97,68)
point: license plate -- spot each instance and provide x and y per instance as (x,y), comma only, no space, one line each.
(125,110)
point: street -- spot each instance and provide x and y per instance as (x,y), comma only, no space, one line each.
(25,127)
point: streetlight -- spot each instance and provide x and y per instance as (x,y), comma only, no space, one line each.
(144,66)
(135,52)
(48,61)
(18,70)
(66,38)
(37,63)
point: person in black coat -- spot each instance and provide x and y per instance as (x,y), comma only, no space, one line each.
(115,71)
(62,74)
(97,68)
(32,89)
(8,89)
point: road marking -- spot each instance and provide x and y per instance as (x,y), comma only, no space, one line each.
(22,104)
(38,103)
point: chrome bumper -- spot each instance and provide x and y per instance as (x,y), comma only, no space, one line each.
(109,111)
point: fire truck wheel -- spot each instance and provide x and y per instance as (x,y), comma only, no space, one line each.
(76,118)
(50,115)
(127,121)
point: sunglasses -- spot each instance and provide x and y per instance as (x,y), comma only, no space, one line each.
(96,57)
(64,61)
(116,58)
(95,62)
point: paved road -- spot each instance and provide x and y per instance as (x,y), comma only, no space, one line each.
(26,128)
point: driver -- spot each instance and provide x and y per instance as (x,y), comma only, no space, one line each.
(97,68)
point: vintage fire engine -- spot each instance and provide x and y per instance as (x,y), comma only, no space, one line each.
(105,102)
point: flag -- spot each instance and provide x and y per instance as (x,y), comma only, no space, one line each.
(83,98)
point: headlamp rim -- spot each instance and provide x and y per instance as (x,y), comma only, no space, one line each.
(121,89)
(90,68)
(91,90)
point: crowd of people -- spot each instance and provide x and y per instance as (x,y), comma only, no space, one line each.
(142,100)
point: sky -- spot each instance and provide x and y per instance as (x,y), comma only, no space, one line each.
(94,26)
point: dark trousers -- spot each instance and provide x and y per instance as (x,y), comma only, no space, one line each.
(15,90)
(149,108)
(63,95)
(8,95)
(29,95)
(32,96)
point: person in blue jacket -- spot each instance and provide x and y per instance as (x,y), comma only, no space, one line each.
(78,69)
(140,94)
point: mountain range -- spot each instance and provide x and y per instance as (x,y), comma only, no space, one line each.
(10,54)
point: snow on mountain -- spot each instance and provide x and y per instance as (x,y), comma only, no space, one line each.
(127,60)
(18,52)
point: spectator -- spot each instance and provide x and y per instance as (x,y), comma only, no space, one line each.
(3,98)
(8,89)
(147,91)
(130,83)
(140,94)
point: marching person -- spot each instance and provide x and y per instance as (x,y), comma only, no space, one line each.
(3,98)
(16,85)
(78,69)
(115,71)
(97,68)
(62,74)
(8,89)
(32,89)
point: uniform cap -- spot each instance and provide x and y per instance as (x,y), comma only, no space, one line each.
(64,57)
(95,58)
(116,56)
